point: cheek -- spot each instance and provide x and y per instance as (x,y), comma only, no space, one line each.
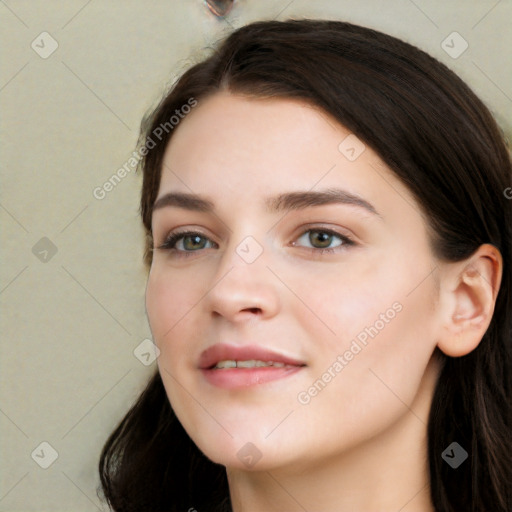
(384,358)
(380,318)
(171,298)
(367,291)
(334,304)
(373,384)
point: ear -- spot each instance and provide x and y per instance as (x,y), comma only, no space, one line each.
(468,291)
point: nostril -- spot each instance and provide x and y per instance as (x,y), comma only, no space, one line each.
(253,310)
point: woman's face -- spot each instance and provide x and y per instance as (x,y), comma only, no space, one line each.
(303,244)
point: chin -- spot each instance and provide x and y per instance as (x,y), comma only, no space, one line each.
(241,453)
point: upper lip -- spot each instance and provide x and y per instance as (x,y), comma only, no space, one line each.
(222,352)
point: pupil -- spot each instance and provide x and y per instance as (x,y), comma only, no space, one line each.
(320,238)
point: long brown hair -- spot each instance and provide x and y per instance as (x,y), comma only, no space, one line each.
(442,142)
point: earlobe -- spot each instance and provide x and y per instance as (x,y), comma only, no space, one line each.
(470,289)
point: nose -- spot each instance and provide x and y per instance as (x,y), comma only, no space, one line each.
(243,290)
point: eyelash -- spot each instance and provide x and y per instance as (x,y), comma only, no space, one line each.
(170,242)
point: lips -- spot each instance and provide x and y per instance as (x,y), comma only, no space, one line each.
(246,375)
(222,352)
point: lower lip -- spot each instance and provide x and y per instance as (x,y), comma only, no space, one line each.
(232,378)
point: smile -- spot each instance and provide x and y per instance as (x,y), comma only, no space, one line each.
(230,363)
(239,366)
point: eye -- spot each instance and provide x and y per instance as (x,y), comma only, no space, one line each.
(318,240)
(186,242)
(322,240)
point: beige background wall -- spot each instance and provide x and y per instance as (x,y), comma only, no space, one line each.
(70,321)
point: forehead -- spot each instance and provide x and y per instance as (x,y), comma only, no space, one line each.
(226,117)
(242,147)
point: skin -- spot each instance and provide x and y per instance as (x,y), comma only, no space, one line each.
(359,443)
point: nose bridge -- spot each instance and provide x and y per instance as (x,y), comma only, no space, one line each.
(246,248)
(243,282)
(244,261)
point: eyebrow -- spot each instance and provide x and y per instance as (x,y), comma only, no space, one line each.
(283,202)
(183,200)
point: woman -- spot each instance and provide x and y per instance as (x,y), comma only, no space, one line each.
(329,245)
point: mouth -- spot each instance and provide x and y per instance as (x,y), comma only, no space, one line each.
(230,366)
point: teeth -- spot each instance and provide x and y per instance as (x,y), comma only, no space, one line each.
(226,364)
(252,363)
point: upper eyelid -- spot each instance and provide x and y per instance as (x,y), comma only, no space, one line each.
(181,233)
(339,231)
(303,229)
